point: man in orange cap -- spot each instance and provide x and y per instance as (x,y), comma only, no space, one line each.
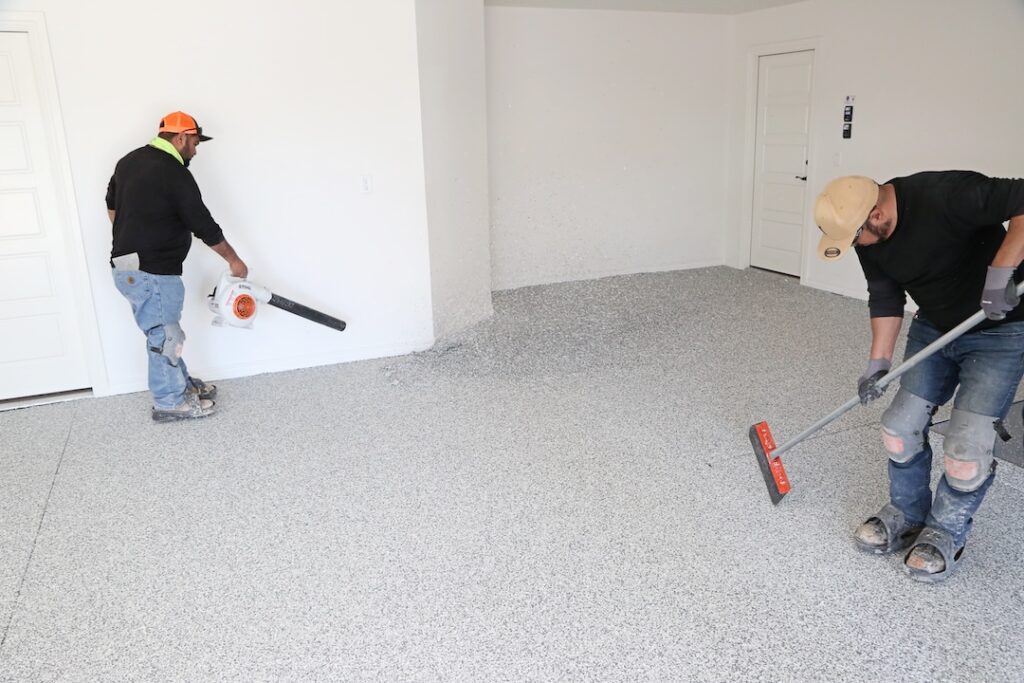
(155,207)
(939,237)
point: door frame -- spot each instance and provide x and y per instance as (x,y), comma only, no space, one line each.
(34,25)
(754,53)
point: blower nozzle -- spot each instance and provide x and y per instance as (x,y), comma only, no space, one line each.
(235,302)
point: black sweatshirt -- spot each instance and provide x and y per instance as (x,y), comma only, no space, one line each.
(158,208)
(949,226)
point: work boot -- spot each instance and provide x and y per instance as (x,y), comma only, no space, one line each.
(198,386)
(191,408)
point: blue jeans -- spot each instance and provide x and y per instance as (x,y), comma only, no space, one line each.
(987,365)
(157,301)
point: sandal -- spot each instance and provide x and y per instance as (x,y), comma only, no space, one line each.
(203,389)
(191,408)
(886,532)
(933,558)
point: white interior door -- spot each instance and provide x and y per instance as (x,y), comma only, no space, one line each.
(780,160)
(41,345)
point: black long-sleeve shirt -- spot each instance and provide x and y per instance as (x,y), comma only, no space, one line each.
(949,226)
(158,207)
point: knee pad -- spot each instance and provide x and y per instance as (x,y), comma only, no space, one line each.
(968,449)
(904,423)
(173,343)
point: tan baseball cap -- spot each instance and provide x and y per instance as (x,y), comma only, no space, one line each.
(841,208)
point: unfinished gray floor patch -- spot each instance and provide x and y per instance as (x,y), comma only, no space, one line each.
(564,493)
(31,443)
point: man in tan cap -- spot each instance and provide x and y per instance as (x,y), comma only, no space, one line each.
(155,207)
(939,237)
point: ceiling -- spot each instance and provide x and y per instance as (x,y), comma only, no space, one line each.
(692,6)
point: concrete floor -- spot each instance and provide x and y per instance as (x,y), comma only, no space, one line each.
(566,493)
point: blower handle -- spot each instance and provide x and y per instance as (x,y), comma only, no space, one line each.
(306,312)
(891,376)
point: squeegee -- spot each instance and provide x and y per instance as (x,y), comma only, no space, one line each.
(768,454)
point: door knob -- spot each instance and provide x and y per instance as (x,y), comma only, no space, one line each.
(800,177)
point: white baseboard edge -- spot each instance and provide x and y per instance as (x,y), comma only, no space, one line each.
(598,274)
(44,399)
(860,294)
(139,382)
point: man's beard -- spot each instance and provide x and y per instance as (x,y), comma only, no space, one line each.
(879,230)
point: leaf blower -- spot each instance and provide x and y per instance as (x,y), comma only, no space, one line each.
(235,301)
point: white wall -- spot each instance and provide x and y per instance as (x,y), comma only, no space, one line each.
(302,100)
(607,138)
(454,107)
(937,87)
(618,142)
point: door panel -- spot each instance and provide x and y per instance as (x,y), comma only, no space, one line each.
(41,348)
(780,171)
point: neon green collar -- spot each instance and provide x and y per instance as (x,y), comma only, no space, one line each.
(160,143)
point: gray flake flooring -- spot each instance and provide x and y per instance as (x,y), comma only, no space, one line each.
(566,493)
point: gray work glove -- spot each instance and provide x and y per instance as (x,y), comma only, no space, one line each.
(1000,294)
(866,389)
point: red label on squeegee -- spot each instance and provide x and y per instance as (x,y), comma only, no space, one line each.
(764,435)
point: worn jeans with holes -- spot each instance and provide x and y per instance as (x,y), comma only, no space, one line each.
(987,365)
(156,301)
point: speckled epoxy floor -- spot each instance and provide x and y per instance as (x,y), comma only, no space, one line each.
(565,493)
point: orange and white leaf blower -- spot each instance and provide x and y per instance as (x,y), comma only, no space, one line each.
(235,301)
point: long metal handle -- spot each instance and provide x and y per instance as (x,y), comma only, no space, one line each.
(891,376)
